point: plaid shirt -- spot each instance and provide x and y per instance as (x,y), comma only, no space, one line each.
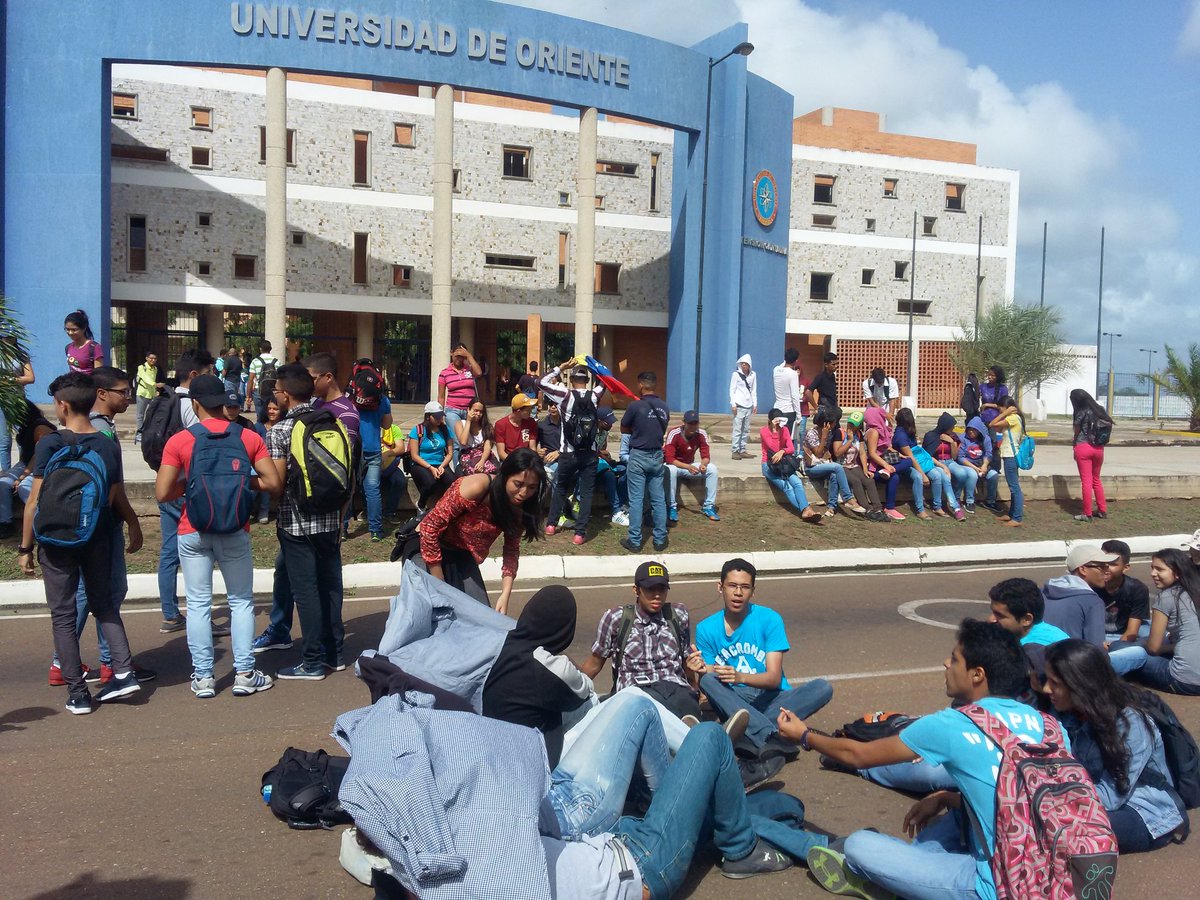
(652,651)
(291,519)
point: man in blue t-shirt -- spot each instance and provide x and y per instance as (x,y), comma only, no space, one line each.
(987,667)
(742,647)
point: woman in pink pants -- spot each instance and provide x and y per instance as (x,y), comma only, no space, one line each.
(1093,428)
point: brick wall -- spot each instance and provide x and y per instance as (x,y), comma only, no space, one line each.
(854,129)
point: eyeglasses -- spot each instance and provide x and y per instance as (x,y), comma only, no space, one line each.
(127,393)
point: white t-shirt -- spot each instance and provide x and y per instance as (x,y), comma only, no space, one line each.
(787,388)
(871,390)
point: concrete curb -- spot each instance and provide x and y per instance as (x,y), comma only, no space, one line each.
(27,594)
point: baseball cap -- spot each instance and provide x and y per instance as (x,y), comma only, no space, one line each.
(207,390)
(434,408)
(855,418)
(520,401)
(1082,554)
(690,417)
(1193,543)
(651,574)
(580,372)
(232,399)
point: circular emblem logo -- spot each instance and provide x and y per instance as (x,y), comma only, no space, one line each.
(766,198)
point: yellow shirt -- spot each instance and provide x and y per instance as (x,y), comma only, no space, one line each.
(1008,448)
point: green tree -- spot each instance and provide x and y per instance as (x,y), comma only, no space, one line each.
(1182,378)
(1025,341)
(14,343)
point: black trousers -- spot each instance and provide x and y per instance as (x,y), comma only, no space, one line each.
(430,487)
(579,466)
(678,699)
(313,565)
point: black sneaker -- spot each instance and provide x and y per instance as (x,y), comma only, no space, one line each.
(335,665)
(1100,514)
(301,672)
(120,686)
(170,626)
(659,548)
(831,764)
(762,859)
(80,704)
(778,746)
(757,772)
(630,545)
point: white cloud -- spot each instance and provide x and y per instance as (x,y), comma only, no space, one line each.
(1073,164)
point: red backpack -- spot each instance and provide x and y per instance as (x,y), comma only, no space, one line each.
(366,385)
(1052,835)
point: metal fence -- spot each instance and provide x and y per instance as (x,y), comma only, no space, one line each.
(1137,396)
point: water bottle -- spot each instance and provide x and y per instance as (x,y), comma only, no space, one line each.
(266,793)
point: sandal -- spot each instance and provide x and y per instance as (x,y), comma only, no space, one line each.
(830,513)
(942,513)
(815,519)
(924,515)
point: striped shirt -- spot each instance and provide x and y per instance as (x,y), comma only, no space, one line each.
(459,385)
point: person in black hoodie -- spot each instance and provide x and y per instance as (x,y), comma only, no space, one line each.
(525,686)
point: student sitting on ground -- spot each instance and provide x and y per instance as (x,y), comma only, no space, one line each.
(1071,601)
(742,646)
(1126,600)
(974,461)
(1115,738)
(1174,642)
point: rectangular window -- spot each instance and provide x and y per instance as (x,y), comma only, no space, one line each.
(136,261)
(919,307)
(599,201)
(818,288)
(654,157)
(901,271)
(564,198)
(204,220)
(262,145)
(870,225)
(404,134)
(889,187)
(954,197)
(929,226)
(823,188)
(201,157)
(504,261)
(456,180)
(360,257)
(402,276)
(868,277)
(204,269)
(138,152)
(245,266)
(608,277)
(362,158)
(608,167)
(824,221)
(516,162)
(298,238)
(562,259)
(202,118)
(124,106)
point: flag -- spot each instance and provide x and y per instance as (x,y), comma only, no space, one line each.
(606,377)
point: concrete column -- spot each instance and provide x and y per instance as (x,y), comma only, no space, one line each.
(605,352)
(533,341)
(214,329)
(466,333)
(585,232)
(364,338)
(275,266)
(443,230)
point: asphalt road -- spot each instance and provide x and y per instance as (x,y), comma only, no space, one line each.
(158,798)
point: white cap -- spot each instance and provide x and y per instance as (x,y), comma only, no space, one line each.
(433,407)
(1082,554)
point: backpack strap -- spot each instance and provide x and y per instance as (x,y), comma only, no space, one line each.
(681,636)
(622,639)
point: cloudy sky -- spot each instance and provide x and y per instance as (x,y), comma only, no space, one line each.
(1095,102)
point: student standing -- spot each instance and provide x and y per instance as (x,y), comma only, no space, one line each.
(1092,429)
(743,403)
(1009,426)
(645,421)
(456,387)
(91,558)
(822,390)
(83,353)
(310,551)
(221,466)
(577,456)
(261,383)
(788,392)
(882,391)
(150,381)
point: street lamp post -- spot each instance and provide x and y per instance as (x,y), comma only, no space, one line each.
(745,48)
(1110,335)
(1149,375)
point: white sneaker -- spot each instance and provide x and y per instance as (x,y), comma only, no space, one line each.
(251,683)
(204,688)
(620,517)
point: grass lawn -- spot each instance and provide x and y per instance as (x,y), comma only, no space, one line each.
(756,527)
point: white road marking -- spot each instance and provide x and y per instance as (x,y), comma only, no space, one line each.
(909,611)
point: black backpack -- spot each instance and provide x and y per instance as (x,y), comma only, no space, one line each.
(579,430)
(969,401)
(875,725)
(266,378)
(1183,756)
(320,466)
(164,418)
(366,385)
(302,789)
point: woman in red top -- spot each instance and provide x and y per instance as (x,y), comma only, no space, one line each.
(456,535)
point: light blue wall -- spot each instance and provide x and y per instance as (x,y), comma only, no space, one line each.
(56,153)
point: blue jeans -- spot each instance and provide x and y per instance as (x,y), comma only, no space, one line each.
(1126,658)
(393,484)
(1156,672)
(839,485)
(937,865)
(7,479)
(168,557)
(963,480)
(5,442)
(891,483)
(792,488)
(283,604)
(701,797)
(589,786)
(917,777)
(939,484)
(1016,503)
(674,473)
(607,479)
(371,476)
(644,473)
(198,553)
(764,704)
(453,417)
(741,428)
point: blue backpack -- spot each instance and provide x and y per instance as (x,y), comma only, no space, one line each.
(74,494)
(219,495)
(1023,453)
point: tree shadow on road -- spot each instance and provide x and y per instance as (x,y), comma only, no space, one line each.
(18,718)
(90,886)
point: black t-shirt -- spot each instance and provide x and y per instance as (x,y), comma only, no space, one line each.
(550,434)
(108,450)
(528,384)
(826,385)
(233,367)
(26,434)
(1130,601)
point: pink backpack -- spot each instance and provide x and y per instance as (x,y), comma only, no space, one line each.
(1052,835)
